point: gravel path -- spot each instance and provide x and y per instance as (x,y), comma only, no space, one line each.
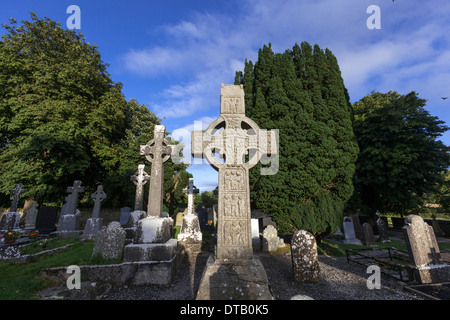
(339,281)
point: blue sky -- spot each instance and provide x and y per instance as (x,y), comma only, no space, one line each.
(173,55)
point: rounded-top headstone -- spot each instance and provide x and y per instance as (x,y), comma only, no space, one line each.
(305,260)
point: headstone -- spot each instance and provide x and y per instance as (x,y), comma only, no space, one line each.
(270,239)
(152,240)
(368,234)
(131,225)
(240,144)
(179,218)
(305,259)
(46,219)
(10,221)
(124,215)
(30,218)
(139,179)
(349,231)
(382,229)
(95,223)
(190,234)
(70,220)
(357,225)
(424,252)
(109,241)
(255,232)
(157,151)
(16,192)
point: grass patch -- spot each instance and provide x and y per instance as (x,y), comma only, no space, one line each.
(23,281)
(46,244)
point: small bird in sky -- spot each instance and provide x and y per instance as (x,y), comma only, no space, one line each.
(444,98)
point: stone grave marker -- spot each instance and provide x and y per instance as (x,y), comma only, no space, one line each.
(424,251)
(30,218)
(382,229)
(255,232)
(95,223)
(241,144)
(270,239)
(190,234)
(157,151)
(357,225)
(305,259)
(139,179)
(124,215)
(46,219)
(153,239)
(109,241)
(70,220)
(368,234)
(349,231)
(16,192)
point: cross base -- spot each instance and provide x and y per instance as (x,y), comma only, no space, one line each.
(241,279)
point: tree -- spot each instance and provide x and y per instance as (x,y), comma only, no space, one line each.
(208,199)
(62,118)
(401,158)
(301,93)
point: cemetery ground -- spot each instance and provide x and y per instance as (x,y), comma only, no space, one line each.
(339,280)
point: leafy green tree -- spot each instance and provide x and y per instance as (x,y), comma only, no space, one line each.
(401,158)
(62,118)
(209,199)
(301,93)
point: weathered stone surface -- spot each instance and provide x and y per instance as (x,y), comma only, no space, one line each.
(305,260)
(98,196)
(124,215)
(30,218)
(349,232)
(73,200)
(139,179)
(93,226)
(245,279)
(150,251)
(157,151)
(16,192)
(109,241)
(424,251)
(153,230)
(270,239)
(382,229)
(368,234)
(190,230)
(69,222)
(10,221)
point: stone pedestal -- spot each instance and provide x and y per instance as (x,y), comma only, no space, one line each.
(191,235)
(93,226)
(244,279)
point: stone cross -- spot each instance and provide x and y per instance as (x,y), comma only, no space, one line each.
(190,190)
(139,179)
(241,144)
(157,151)
(74,190)
(98,196)
(16,195)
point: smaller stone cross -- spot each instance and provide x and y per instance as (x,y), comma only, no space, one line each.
(157,151)
(73,201)
(191,190)
(98,196)
(16,195)
(139,179)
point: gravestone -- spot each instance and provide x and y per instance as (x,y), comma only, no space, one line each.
(382,229)
(109,241)
(255,233)
(270,239)
(190,234)
(70,218)
(304,256)
(153,239)
(349,232)
(16,192)
(179,218)
(241,144)
(131,225)
(139,179)
(424,252)
(95,223)
(10,220)
(124,215)
(357,225)
(30,218)
(368,234)
(46,219)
